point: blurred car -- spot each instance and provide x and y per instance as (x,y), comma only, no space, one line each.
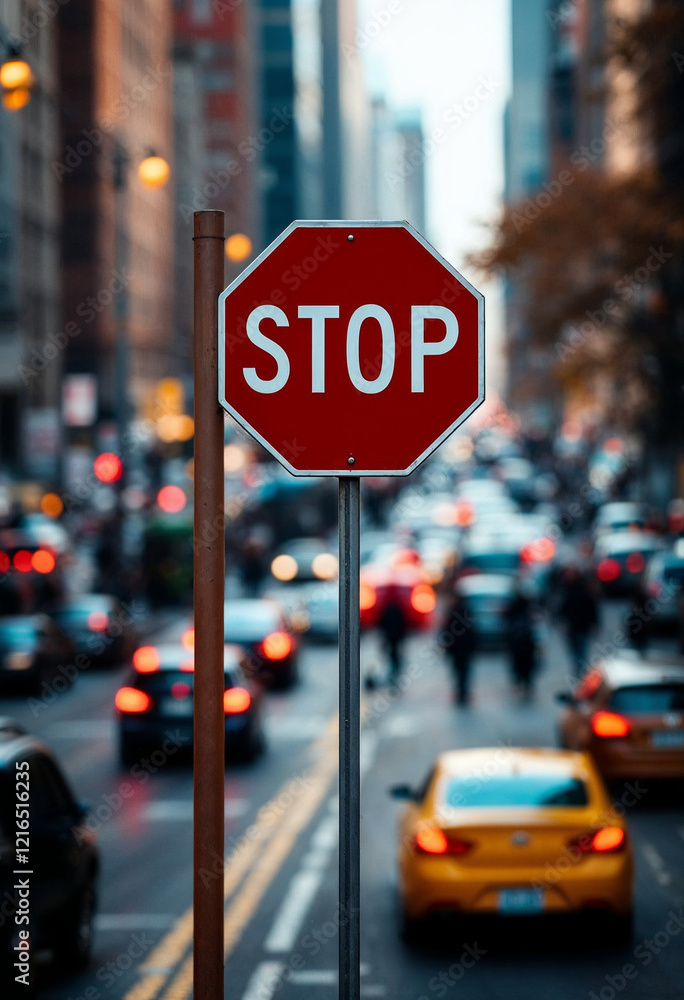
(486,597)
(664,579)
(620,516)
(157,695)
(32,649)
(629,714)
(45,531)
(63,854)
(263,629)
(620,559)
(30,573)
(482,839)
(304,560)
(317,612)
(99,626)
(401,579)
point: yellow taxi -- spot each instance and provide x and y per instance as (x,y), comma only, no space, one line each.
(514,832)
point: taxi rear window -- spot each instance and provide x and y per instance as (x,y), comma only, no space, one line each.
(648,699)
(515,790)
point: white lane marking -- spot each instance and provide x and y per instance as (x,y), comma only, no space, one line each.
(662,875)
(133,921)
(303,888)
(80,729)
(400,726)
(290,917)
(313,977)
(293,727)
(181,809)
(264,981)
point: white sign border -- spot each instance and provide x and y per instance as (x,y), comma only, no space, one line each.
(343,224)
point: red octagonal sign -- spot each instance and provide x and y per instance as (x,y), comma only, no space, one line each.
(350,348)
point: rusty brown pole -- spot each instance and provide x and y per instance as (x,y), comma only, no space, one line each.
(209,576)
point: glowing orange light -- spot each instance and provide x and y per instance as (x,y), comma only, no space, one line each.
(277,646)
(238,247)
(171,499)
(108,467)
(540,551)
(22,561)
(431,840)
(43,561)
(51,505)
(130,699)
(423,598)
(188,638)
(464,515)
(367,597)
(15,73)
(609,724)
(236,700)
(15,100)
(98,621)
(608,839)
(153,171)
(146,659)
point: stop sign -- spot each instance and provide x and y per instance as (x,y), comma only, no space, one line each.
(350,348)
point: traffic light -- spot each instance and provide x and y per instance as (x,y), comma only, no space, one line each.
(108,467)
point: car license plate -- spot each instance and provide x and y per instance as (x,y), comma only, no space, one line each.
(178,709)
(521,900)
(668,740)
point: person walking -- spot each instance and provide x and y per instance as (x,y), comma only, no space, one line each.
(458,640)
(522,640)
(392,627)
(579,613)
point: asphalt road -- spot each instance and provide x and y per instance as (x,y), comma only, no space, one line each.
(281,903)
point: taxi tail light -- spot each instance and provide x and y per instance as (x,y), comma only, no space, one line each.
(236,700)
(130,699)
(607,839)
(367,597)
(277,646)
(432,840)
(610,724)
(608,570)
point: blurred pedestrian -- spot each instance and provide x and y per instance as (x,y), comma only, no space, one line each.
(392,627)
(639,622)
(579,612)
(522,640)
(458,640)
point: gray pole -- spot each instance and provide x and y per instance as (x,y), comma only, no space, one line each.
(350,734)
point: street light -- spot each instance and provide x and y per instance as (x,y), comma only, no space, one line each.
(238,247)
(16,78)
(153,171)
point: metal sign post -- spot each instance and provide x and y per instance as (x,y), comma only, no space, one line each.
(350,736)
(209,577)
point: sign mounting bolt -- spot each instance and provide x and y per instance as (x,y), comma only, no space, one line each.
(351,459)
(350,238)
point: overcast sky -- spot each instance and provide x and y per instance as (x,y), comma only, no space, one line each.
(450,59)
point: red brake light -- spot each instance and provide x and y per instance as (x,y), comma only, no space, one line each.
(180,690)
(22,561)
(608,570)
(146,660)
(98,621)
(432,840)
(188,638)
(635,563)
(609,838)
(277,646)
(423,598)
(609,724)
(367,597)
(130,699)
(236,700)
(43,561)
(540,551)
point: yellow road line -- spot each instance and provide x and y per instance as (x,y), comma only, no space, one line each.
(272,820)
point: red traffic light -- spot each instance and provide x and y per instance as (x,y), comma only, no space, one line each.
(171,499)
(108,467)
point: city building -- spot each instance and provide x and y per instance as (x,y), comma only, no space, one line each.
(397,165)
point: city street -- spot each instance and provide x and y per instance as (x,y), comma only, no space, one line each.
(281,892)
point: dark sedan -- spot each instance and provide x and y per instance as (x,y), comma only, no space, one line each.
(34,651)
(155,703)
(100,626)
(51,832)
(263,629)
(621,558)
